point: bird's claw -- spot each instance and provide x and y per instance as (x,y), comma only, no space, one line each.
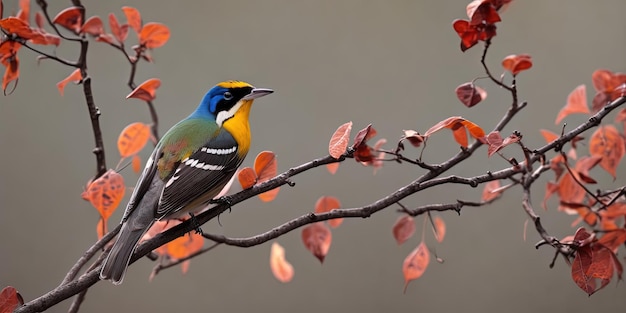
(225,200)
(195,224)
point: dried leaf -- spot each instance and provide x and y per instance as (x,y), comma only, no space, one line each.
(339,141)
(327,204)
(133,138)
(9,300)
(413,137)
(282,270)
(105,193)
(403,228)
(265,166)
(70,19)
(247,177)
(93,26)
(415,264)
(613,239)
(154,35)
(146,91)
(607,143)
(516,63)
(458,125)
(470,94)
(75,77)
(363,135)
(133,18)
(440,228)
(576,103)
(317,239)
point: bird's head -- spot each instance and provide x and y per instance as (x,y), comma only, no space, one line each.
(227,98)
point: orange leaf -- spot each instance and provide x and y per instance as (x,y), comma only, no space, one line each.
(602,80)
(136,163)
(339,140)
(154,35)
(496,143)
(458,125)
(613,239)
(146,91)
(157,228)
(93,26)
(440,228)
(184,246)
(576,103)
(101,228)
(491,192)
(470,94)
(119,32)
(332,167)
(403,228)
(415,264)
(107,38)
(133,138)
(317,239)
(11,73)
(327,204)
(265,167)
(282,270)
(70,18)
(516,63)
(24,13)
(75,77)
(39,20)
(247,177)
(606,142)
(133,18)
(9,297)
(548,135)
(105,193)
(14,25)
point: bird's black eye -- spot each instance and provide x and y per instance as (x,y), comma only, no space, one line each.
(228,95)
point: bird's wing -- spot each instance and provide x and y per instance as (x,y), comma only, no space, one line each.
(143,184)
(201,176)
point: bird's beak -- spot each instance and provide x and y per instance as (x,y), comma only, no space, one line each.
(257,93)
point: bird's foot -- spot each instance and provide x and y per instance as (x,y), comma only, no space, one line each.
(195,224)
(225,200)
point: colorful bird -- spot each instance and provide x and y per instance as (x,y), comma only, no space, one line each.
(188,167)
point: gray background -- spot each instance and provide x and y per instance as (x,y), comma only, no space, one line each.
(391,63)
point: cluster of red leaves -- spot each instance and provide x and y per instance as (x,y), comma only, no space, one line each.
(595,259)
(19,30)
(363,153)
(417,261)
(481,25)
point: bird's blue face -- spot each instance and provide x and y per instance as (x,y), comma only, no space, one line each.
(221,98)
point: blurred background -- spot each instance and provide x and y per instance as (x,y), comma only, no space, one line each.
(391,63)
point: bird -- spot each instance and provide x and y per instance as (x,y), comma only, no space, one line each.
(189,166)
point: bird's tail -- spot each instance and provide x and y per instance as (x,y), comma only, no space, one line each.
(115,265)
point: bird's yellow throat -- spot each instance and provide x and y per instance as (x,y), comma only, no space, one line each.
(239,127)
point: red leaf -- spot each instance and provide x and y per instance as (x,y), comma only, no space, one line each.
(580,266)
(363,136)
(481,11)
(75,77)
(39,20)
(403,228)
(613,239)
(265,167)
(317,239)
(469,35)
(515,63)
(70,18)
(146,91)
(136,163)
(119,32)
(470,94)
(548,135)
(458,125)
(496,143)
(12,72)
(413,137)
(93,26)
(105,193)
(9,297)
(154,35)
(282,270)
(602,80)
(247,177)
(607,143)
(101,228)
(415,264)
(339,141)
(24,13)
(133,18)
(327,204)
(576,103)
(133,138)
(440,228)
(492,191)
(14,25)
(107,38)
